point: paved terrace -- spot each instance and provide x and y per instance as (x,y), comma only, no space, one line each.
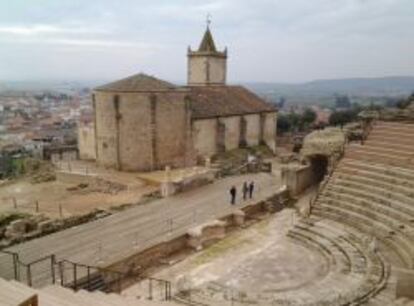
(110,239)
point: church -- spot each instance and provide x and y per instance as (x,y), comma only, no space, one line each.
(142,123)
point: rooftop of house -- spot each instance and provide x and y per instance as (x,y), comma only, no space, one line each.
(219,101)
(137,83)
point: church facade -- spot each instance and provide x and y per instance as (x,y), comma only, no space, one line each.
(142,123)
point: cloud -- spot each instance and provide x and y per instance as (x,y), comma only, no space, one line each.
(268,40)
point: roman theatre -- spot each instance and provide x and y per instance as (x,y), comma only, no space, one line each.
(333,225)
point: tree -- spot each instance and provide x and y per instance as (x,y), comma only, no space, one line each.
(295,121)
(281,103)
(283,124)
(342,102)
(308,117)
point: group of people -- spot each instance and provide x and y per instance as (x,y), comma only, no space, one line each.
(247,190)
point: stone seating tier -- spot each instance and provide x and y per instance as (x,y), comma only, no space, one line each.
(392,171)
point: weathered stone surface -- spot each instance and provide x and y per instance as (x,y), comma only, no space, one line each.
(213,230)
(239,217)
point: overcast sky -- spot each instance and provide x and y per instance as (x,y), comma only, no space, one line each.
(267,40)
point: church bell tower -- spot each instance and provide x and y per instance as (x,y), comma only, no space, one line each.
(207,66)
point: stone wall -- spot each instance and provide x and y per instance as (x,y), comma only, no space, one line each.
(196,70)
(297,178)
(56,157)
(269,130)
(106,143)
(173,123)
(217,70)
(142,131)
(205,69)
(252,129)
(204,137)
(232,132)
(86,142)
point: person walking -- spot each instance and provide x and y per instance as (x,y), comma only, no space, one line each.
(233,193)
(245,190)
(251,189)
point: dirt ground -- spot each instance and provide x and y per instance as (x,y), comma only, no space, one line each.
(74,200)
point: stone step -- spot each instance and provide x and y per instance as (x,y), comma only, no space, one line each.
(385,219)
(11,295)
(379,142)
(401,211)
(394,150)
(395,171)
(366,226)
(388,247)
(380,159)
(390,140)
(403,186)
(380,155)
(357,261)
(401,133)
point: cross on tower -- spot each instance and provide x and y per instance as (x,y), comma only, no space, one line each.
(208,20)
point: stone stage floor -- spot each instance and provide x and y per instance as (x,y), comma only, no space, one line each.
(259,259)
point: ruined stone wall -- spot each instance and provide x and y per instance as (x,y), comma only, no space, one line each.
(252,129)
(86,142)
(232,132)
(297,178)
(204,137)
(142,131)
(269,130)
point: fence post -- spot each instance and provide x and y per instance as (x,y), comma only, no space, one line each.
(61,272)
(60,211)
(15,266)
(88,271)
(52,266)
(37,205)
(75,284)
(29,275)
(14,202)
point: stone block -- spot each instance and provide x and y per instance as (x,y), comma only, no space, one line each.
(167,189)
(46,226)
(206,232)
(18,226)
(239,217)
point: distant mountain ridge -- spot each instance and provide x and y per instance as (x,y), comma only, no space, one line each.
(384,86)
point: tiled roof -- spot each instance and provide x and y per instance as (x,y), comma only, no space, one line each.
(215,101)
(138,82)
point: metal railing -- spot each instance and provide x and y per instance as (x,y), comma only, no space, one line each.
(35,273)
(78,276)
(164,288)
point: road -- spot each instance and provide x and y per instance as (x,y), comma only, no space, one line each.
(110,239)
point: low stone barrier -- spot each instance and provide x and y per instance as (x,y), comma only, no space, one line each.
(205,233)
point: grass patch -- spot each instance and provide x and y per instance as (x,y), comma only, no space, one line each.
(7,218)
(219,248)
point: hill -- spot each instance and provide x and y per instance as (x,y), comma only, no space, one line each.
(357,87)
